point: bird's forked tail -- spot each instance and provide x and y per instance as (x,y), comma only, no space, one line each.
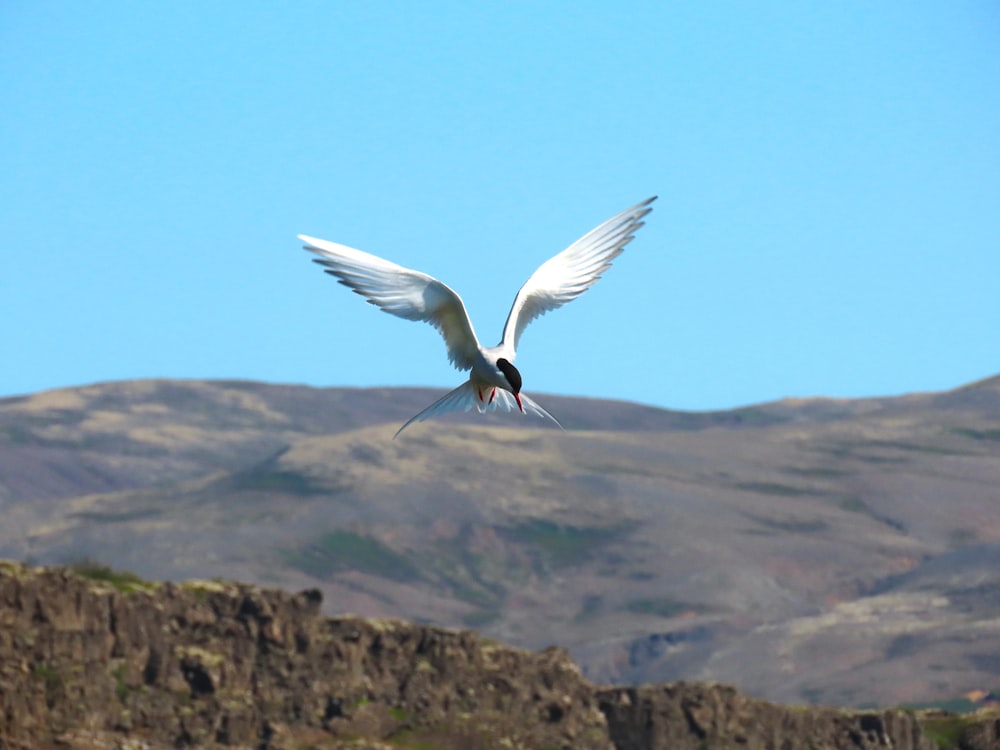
(467,396)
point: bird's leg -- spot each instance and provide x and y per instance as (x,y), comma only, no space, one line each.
(479,392)
(493,395)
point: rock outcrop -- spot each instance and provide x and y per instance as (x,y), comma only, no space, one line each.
(95,660)
(683,715)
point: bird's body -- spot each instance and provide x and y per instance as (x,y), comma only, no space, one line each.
(493,381)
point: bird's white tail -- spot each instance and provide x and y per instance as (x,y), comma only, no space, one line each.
(467,397)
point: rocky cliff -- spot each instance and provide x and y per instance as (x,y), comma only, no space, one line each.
(93,659)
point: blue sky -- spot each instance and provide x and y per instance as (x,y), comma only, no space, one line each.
(828,173)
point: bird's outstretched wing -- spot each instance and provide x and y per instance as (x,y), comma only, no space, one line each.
(465,398)
(573,271)
(403,292)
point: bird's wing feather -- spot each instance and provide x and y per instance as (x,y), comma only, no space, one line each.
(465,398)
(403,292)
(573,271)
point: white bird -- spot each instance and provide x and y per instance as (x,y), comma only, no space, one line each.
(493,380)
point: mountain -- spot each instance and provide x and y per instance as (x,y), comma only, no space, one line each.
(809,550)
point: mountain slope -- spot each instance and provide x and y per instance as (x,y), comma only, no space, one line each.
(780,547)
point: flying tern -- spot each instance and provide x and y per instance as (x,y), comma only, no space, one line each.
(493,381)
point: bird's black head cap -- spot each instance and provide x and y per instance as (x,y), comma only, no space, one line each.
(510,372)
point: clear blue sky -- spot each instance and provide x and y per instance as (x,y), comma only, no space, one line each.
(828,173)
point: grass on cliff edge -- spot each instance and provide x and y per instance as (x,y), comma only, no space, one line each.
(122,580)
(949,731)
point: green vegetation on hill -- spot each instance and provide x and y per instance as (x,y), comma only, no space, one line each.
(562,545)
(338,551)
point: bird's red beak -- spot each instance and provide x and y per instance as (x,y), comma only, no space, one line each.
(519,404)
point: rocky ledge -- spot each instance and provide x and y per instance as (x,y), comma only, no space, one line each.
(93,659)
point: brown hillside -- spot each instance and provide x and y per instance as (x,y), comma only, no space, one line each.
(810,551)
